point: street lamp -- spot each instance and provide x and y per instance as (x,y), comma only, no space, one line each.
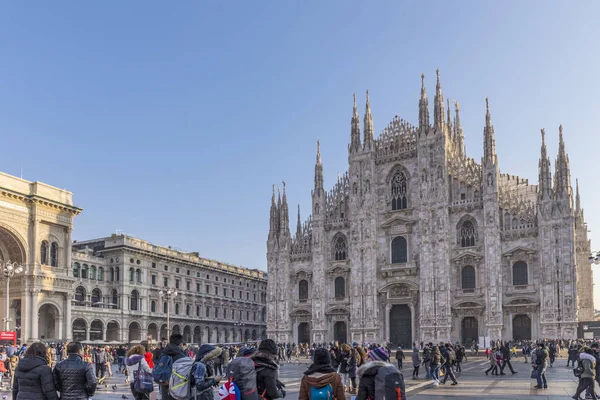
(168,294)
(9,269)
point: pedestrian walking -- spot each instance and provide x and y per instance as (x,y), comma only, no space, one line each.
(416,361)
(377,369)
(541,363)
(33,377)
(73,377)
(321,376)
(399,357)
(588,374)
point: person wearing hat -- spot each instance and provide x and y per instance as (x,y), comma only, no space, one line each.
(378,367)
(319,375)
(267,370)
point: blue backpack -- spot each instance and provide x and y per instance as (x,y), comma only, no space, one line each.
(162,370)
(323,393)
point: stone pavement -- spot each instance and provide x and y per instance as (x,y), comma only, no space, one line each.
(473,383)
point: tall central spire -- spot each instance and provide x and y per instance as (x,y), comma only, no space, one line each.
(369,130)
(458,131)
(355,129)
(562,175)
(284,215)
(545,177)
(438,106)
(318,169)
(298,224)
(274,220)
(423,108)
(577,198)
(489,146)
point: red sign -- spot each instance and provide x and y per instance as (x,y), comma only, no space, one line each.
(8,336)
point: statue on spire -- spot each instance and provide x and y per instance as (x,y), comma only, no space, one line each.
(369,130)
(423,108)
(355,128)
(438,106)
(489,147)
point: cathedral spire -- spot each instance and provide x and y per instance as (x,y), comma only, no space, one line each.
(489,140)
(562,174)
(545,178)
(355,128)
(577,198)
(284,215)
(318,169)
(274,220)
(458,131)
(438,106)
(423,108)
(298,224)
(369,130)
(449,121)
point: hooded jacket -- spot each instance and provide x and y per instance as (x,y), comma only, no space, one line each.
(33,380)
(174,351)
(74,378)
(588,362)
(132,365)
(207,354)
(367,373)
(319,380)
(267,374)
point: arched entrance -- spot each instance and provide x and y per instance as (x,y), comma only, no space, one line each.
(134,332)
(470,330)
(48,322)
(246,335)
(187,334)
(163,332)
(303,332)
(153,331)
(215,335)
(253,334)
(79,330)
(206,336)
(176,329)
(112,332)
(96,330)
(197,335)
(263,335)
(11,247)
(521,327)
(401,326)
(339,332)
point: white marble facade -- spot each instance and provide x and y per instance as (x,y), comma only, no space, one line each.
(417,241)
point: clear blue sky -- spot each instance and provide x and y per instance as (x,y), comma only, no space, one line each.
(171,121)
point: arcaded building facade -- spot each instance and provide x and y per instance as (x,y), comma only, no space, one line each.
(418,241)
(107,290)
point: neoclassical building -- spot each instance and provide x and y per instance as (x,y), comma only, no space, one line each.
(418,241)
(108,289)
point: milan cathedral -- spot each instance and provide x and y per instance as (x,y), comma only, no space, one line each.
(419,242)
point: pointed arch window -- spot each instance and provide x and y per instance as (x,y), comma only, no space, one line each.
(340,287)
(44,253)
(112,274)
(303,290)
(399,250)
(117,274)
(340,248)
(54,254)
(468,277)
(399,191)
(467,234)
(138,276)
(131,273)
(520,273)
(135,298)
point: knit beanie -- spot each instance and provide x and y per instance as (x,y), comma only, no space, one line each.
(378,354)
(268,345)
(322,357)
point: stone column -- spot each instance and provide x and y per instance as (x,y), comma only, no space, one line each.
(26,317)
(104,329)
(68,318)
(67,250)
(33,247)
(386,328)
(60,325)
(34,316)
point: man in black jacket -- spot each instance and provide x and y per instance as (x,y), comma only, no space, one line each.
(267,371)
(73,377)
(506,359)
(174,350)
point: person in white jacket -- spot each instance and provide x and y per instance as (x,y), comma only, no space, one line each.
(135,360)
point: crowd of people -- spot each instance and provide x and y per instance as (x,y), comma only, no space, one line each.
(180,371)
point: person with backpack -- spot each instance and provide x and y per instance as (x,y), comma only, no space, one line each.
(267,371)
(380,379)
(450,357)
(163,369)
(241,378)
(135,361)
(587,375)
(203,371)
(321,381)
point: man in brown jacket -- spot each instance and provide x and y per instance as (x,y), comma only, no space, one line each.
(321,376)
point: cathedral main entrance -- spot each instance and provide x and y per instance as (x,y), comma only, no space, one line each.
(470,330)
(401,326)
(340,332)
(303,333)
(521,327)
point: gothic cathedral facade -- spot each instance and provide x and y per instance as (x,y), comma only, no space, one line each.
(419,242)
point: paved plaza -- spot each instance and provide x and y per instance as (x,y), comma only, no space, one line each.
(473,383)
